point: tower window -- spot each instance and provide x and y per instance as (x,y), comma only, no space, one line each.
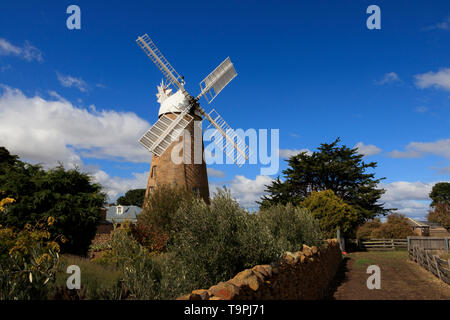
(154,172)
(196,191)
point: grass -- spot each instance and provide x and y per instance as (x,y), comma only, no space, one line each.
(97,281)
(364,259)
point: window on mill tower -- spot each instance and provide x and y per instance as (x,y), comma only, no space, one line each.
(154,172)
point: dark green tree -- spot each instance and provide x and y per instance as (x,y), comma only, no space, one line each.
(331,167)
(134,197)
(67,195)
(440,193)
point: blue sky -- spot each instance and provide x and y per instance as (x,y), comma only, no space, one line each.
(310,69)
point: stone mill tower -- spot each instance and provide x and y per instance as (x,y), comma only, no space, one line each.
(182,163)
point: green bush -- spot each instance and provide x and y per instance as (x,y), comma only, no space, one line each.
(69,196)
(291,226)
(141,272)
(332,213)
(161,205)
(212,243)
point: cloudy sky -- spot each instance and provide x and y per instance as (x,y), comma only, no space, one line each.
(310,69)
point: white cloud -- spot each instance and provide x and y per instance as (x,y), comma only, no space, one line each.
(27,51)
(69,82)
(421,109)
(367,150)
(46,131)
(444,170)
(440,79)
(390,77)
(115,186)
(287,153)
(418,149)
(245,191)
(444,25)
(216,173)
(410,198)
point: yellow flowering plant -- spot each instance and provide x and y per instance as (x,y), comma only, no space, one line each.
(28,261)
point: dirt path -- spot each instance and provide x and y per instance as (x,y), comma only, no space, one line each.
(401,279)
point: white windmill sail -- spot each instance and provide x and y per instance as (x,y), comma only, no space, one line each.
(157,57)
(165,131)
(217,80)
(232,141)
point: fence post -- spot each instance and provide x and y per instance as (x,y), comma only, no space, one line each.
(446,244)
(437,267)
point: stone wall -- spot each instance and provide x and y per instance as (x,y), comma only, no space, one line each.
(305,275)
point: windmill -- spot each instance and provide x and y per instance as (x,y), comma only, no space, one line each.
(177,113)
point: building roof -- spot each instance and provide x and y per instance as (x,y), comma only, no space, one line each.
(129,213)
(416,223)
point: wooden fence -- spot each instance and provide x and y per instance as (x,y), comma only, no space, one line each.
(431,262)
(383,244)
(429,243)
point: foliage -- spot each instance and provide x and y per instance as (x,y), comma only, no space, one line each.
(440,193)
(141,273)
(160,206)
(28,261)
(291,226)
(332,213)
(335,168)
(133,197)
(150,237)
(396,227)
(365,231)
(67,195)
(98,282)
(212,243)
(440,214)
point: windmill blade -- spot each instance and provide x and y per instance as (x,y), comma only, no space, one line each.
(229,136)
(157,57)
(165,131)
(217,80)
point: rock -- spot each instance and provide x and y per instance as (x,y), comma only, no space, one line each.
(307,250)
(225,291)
(204,295)
(247,278)
(265,270)
(184,297)
(290,258)
(314,249)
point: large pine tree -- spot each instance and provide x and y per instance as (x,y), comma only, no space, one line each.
(331,167)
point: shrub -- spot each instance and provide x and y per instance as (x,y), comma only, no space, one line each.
(396,227)
(141,272)
(332,213)
(212,243)
(365,231)
(150,237)
(28,261)
(161,205)
(291,226)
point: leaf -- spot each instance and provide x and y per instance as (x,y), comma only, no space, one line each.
(30,277)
